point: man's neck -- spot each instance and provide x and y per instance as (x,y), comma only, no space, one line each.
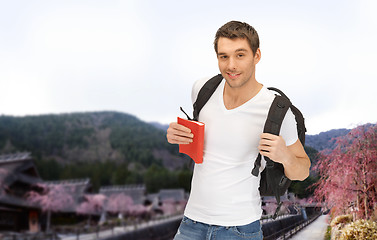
(235,97)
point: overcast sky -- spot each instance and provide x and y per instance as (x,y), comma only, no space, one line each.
(142,57)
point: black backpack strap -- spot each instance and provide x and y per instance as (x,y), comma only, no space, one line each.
(278,91)
(275,117)
(205,94)
(273,184)
(301,129)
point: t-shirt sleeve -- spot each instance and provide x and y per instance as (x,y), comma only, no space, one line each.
(289,129)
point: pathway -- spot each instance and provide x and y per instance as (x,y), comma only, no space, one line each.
(314,231)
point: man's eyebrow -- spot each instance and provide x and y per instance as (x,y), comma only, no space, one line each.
(241,50)
(238,50)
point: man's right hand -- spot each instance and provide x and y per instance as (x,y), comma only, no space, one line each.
(179,134)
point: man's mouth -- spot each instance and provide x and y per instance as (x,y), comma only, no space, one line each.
(233,75)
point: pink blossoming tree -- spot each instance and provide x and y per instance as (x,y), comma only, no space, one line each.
(169,206)
(51,198)
(138,210)
(119,203)
(349,173)
(92,205)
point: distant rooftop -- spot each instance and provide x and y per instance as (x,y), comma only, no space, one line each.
(15,157)
(69,182)
(121,188)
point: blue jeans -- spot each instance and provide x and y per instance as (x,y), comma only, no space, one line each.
(192,230)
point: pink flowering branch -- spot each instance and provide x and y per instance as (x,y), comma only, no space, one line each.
(51,198)
(348,173)
(93,204)
(119,203)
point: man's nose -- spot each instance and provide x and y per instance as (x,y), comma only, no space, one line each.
(232,63)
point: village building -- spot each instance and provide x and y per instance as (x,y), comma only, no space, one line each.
(67,199)
(135,191)
(75,189)
(18,174)
(18,177)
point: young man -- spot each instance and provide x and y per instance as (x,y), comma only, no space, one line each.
(224,201)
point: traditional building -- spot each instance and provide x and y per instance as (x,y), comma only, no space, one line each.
(75,189)
(18,174)
(136,192)
(18,177)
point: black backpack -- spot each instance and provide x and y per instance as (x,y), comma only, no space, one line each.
(273,180)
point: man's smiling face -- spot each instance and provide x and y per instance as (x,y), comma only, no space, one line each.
(236,61)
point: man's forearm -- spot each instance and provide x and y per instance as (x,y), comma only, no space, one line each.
(297,168)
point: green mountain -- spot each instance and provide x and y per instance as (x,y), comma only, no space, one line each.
(109,146)
(325,140)
(113,148)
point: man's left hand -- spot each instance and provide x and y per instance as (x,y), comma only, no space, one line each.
(274,147)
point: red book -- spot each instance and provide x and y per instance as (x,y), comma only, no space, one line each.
(194,149)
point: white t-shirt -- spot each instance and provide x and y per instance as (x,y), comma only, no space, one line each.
(223,190)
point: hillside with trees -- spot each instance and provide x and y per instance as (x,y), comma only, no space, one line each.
(113,148)
(325,140)
(109,147)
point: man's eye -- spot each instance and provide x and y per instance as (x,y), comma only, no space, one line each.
(240,55)
(223,57)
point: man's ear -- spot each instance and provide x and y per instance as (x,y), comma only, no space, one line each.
(257,56)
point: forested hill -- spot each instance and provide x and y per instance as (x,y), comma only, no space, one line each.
(89,137)
(321,141)
(110,148)
(103,136)
(325,140)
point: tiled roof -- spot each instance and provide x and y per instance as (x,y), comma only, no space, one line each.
(14,157)
(75,187)
(71,182)
(18,167)
(122,188)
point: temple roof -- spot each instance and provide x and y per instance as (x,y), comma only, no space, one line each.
(15,157)
(136,192)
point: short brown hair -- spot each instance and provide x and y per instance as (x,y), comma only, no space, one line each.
(236,29)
